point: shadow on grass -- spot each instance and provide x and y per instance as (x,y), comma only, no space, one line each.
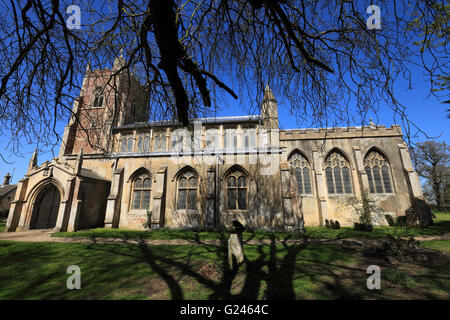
(274,268)
(443,225)
(200,236)
(277,270)
(270,271)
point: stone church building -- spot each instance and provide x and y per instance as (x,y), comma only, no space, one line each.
(117,170)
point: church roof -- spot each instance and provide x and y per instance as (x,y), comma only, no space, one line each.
(6,189)
(91,174)
(203,120)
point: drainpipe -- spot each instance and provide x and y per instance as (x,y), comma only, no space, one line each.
(216,194)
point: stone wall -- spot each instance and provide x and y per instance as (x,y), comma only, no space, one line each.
(354,144)
(265,199)
(5,201)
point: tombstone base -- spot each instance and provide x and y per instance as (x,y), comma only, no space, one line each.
(155,225)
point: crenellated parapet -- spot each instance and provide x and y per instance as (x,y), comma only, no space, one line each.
(341,132)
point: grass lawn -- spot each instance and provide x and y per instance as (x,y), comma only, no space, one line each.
(300,271)
(441,226)
(442,245)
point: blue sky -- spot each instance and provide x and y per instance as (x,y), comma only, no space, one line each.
(427,113)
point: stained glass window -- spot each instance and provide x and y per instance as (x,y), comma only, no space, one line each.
(142,186)
(127,143)
(378,173)
(302,172)
(98,98)
(143,143)
(337,174)
(237,185)
(187,191)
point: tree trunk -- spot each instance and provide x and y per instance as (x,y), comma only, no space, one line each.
(436,188)
(438,195)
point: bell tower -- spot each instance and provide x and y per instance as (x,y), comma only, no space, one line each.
(108,98)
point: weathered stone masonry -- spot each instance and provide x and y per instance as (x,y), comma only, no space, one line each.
(117,170)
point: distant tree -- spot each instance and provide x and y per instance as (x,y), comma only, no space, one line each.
(428,192)
(432,160)
(434,36)
(447,193)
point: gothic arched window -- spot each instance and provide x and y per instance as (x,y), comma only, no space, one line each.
(126,143)
(160,142)
(249,138)
(231,140)
(133,108)
(142,188)
(143,143)
(212,140)
(378,173)
(302,172)
(187,191)
(98,98)
(182,141)
(237,190)
(337,173)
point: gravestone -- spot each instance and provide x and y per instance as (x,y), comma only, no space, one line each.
(401,221)
(424,213)
(332,224)
(390,220)
(412,218)
(363,227)
(235,249)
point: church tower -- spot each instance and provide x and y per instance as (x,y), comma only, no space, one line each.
(108,98)
(269,114)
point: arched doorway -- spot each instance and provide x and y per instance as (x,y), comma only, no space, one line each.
(46,208)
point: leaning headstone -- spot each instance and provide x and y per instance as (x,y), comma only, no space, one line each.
(337,225)
(363,227)
(327,223)
(424,213)
(412,218)
(401,221)
(390,220)
(235,248)
(332,224)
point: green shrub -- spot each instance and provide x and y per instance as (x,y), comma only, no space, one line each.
(399,277)
(148,223)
